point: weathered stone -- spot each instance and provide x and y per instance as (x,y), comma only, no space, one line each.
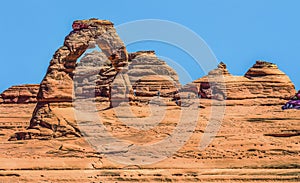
(20,94)
(151,76)
(142,69)
(220,70)
(57,86)
(263,80)
(115,76)
(95,76)
(262,68)
(154,85)
(146,63)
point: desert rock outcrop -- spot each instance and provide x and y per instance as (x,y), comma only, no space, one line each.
(56,90)
(113,75)
(264,80)
(149,75)
(95,75)
(20,94)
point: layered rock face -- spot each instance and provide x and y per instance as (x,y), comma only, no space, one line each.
(93,76)
(16,106)
(147,75)
(272,82)
(263,80)
(20,94)
(151,76)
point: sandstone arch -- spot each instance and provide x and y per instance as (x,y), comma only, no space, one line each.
(56,89)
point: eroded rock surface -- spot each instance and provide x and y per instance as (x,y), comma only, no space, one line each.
(262,81)
(253,142)
(113,76)
(151,76)
(20,94)
(105,75)
(146,74)
(54,108)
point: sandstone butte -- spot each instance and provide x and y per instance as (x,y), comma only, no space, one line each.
(42,141)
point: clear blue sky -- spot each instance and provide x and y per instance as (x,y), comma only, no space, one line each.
(238,31)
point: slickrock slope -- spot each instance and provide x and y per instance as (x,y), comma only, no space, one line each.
(242,151)
(262,81)
(20,94)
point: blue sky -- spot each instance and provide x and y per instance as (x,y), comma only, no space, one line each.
(238,32)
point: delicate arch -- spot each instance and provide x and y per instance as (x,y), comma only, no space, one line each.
(57,85)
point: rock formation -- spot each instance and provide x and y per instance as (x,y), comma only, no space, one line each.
(57,84)
(253,142)
(273,83)
(20,94)
(56,90)
(96,76)
(113,75)
(150,75)
(147,75)
(93,76)
(263,80)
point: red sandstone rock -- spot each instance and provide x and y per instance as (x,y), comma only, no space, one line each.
(149,75)
(261,138)
(149,86)
(57,85)
(110,76)
(263,80)
(94,75)
(20,94)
